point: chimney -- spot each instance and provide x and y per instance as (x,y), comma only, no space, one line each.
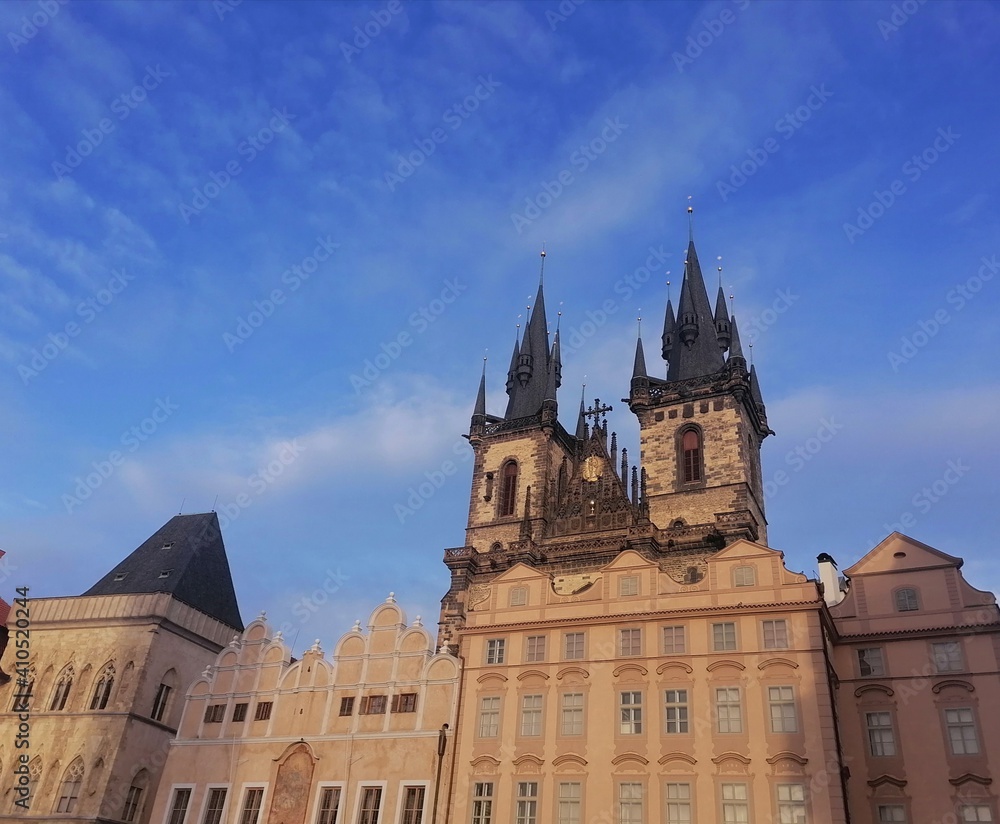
(828,577)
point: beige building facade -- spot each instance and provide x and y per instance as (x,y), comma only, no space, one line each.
(360,736)
(104,687)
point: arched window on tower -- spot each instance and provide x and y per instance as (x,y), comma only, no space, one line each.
(691,456)
(103,687)
(69,792)
(508,488)
(133,801)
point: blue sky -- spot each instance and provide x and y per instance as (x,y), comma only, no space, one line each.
(259,250)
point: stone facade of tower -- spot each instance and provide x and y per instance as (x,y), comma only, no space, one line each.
(103,689)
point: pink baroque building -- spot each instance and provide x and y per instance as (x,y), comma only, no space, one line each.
(916,652)
(360,736)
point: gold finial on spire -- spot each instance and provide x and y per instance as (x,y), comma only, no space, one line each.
(559,317)
(541,274)
(719,267)
(668,285)
(751,353)
(690,221)
(638,320)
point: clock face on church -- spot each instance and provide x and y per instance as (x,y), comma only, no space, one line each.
(593,468)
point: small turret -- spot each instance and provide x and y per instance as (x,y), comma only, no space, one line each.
(722,325)
(669,330)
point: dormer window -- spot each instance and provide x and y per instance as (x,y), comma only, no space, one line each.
(168,545)
(165,573)
(120,576)
(906,600)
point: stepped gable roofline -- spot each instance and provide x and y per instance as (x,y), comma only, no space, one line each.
(186,558)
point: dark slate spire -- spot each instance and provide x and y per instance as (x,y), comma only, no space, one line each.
(481,397)
(639,367)
(722,327)
(534,364)
(669,331)
(755,388)
(581,421)
(557,359)
(735,349)
(185,557)
(698,351)
(512,372)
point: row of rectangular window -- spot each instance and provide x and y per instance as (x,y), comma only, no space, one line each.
(728,711)
(328,810)
(370,705)
(959,722)
(631,800)
(945,656)
(674,641)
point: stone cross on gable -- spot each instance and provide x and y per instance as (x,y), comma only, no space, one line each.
(596,411)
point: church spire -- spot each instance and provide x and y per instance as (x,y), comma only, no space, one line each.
(669,327)
(481,396)
(639,366)
(581,421)
(722,327)
(535,365)
(698,353)
(735,349)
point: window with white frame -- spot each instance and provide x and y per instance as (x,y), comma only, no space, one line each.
(518,596)
(495,648)
(482,802)
(947,656)
(570,802)
(413,805)
(881,741)
(573,646)
(735,804)
(630,707)
(792,804)
(179,805)
(489,717)
(906,600)
(329,805)
(571,721)
(724,636)
(534,648)
(781,702)
(728,713)
(630,803)
(678,803)
(975,812)
(961,731)
(630,642)
(531,715)
(744,576)
(676,711)
(526,803)
(775,634)
(891,814)
(674,640)
(871,662)
(628,585)
(215,806)
(371,803)
(250,813)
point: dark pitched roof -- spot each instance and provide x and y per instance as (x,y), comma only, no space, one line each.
(702,355)
(189,549)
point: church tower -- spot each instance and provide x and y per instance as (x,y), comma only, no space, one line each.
(702,427)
